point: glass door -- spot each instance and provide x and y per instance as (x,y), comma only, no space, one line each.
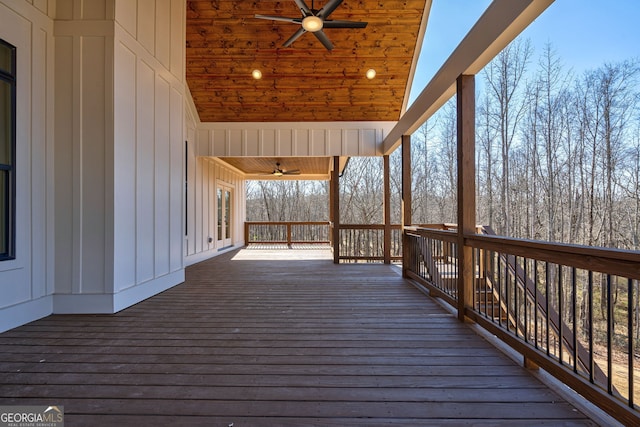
(224,200)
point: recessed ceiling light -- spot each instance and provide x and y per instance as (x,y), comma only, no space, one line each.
(371,73)
(256,74)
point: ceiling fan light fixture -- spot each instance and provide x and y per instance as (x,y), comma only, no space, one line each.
(312,23)
(371,73)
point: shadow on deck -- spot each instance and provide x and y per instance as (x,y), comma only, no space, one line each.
(254,339)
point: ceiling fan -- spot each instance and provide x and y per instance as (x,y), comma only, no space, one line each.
(314,20)
(280,172)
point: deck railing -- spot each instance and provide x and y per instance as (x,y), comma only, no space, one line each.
(358,242)
(287,232)
(365,243)
(572,310)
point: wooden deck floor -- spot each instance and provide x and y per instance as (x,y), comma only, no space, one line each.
(252,339)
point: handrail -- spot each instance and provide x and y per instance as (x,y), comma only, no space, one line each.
(610,261)
(554,303)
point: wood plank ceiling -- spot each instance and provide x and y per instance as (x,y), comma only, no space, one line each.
(261,168)
(304,82)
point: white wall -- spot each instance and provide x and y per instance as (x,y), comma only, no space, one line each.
(100,176)
(119,127)
(292,139)
(204,175)
(148,147)
(119,135)
(84,156)
(102,126)
(26,283)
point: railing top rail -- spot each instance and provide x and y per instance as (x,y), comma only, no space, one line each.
(617,262)
(368,226)
(611,261)
(287,222)
(447,235)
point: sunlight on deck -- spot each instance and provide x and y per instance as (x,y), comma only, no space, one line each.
(283,252)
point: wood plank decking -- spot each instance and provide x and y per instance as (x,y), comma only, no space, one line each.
(251,339)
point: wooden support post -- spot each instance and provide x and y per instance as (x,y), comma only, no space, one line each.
(530,364)
(466,189)
(387,209)
(406,200)
(331,214)
(335,208)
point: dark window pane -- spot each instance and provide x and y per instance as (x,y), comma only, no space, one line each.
(7,150)
(6,123)
(6,58)
(4,208)
(227,214)
(219,214)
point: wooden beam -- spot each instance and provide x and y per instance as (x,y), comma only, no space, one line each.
(502,22)
(466,108)
(387,209)
(335,207)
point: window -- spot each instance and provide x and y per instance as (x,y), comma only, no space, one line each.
(7,149)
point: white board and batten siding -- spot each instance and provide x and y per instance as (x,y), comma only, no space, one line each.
(148,147)
(100,120)
(204,177)
(292,139)
(27,282)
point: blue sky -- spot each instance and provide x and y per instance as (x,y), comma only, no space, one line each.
(584,33)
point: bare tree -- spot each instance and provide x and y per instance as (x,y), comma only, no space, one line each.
(504,78)
(486,137)
(361,191)
(551,110)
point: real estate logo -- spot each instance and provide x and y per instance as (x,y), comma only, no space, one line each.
(31,416)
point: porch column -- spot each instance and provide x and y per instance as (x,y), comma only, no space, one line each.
(406,198)
(331,210)
(334,191)
(466,188)
(387,209)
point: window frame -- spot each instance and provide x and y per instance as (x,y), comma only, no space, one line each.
(10,190)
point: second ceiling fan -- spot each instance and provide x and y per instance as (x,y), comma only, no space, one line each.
(314,20)
(280,172)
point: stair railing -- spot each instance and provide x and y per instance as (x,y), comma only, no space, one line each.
(572,310)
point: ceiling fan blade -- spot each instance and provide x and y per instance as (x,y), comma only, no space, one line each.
(320,35)
(328,8)
(279,18)
(344,24)
(303,8)
(291,172)
(294,37)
